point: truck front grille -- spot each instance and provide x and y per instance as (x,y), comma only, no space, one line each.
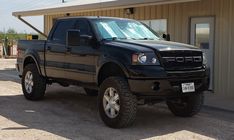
(181,60)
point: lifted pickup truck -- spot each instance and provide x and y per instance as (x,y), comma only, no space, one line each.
(122,61)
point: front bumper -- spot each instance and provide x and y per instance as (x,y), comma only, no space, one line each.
(169,83)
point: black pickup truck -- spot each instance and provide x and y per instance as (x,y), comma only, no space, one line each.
(122,61)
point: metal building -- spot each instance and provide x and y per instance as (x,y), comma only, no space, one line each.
(208,24)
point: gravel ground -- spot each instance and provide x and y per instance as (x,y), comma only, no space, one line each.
(67,113)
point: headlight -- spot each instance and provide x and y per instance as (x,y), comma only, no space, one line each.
(204,58)
(142,58)
(145,59)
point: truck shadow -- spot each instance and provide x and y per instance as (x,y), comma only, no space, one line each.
(69,113)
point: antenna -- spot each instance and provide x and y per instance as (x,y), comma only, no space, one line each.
(100,8)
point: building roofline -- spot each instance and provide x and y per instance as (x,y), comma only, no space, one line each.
(93,5)
(93,17)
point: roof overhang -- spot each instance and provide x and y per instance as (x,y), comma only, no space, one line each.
(92,5)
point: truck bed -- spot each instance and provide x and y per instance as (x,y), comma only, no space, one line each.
(33,44)
(33,47)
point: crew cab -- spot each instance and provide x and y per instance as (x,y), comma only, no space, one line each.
(122,61)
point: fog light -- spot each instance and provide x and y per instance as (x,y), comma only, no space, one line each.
(154,60)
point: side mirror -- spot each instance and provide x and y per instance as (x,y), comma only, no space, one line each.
(167,37)
(73,38)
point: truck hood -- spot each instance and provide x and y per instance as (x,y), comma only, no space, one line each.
(142,45)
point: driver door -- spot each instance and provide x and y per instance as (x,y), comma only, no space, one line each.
(82,58)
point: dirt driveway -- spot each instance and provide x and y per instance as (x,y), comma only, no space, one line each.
(67,113)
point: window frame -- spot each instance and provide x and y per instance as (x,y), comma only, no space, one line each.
(88,25)
(57,26)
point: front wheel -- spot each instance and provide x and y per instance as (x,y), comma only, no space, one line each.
(33,84)
(186,106)
(117,105)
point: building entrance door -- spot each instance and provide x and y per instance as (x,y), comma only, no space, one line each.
(202,36)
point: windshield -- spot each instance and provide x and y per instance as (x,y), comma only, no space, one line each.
(124,29)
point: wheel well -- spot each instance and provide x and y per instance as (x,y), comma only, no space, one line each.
(108,70)
(29,60)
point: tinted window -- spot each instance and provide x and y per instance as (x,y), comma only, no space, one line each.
(61,31)
(84,27)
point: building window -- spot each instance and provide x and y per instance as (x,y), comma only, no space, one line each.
(158,25)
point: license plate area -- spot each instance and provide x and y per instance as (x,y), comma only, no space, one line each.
(188,87)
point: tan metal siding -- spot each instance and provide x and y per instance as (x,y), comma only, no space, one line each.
(178,18)
(231,45)
(171,19)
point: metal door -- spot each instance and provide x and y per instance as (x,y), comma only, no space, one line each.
(202,36)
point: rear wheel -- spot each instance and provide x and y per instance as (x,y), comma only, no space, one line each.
(117,105)
(186,106)
(33,84)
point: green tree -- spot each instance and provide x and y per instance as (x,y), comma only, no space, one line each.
(12,34)
(11,31)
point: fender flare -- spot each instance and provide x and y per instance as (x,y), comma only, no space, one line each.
(123,68)
(29,55)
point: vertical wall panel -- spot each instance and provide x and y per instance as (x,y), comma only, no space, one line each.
(147,13)
(185,23)
(225,48)
(171,21)
(152,12)
(159,11)
(231,44)
(165,11)
(142,13)
(137,13)
(104,13)
(217,52)
(108,13)
(222,49)
(117,13)
(121,12)
(178,19)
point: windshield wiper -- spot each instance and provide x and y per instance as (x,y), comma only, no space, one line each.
(146,38)
(114,38)
(124,38)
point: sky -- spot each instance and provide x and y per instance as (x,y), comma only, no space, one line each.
(8,21)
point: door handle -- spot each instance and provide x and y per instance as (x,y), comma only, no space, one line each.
(83,54)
